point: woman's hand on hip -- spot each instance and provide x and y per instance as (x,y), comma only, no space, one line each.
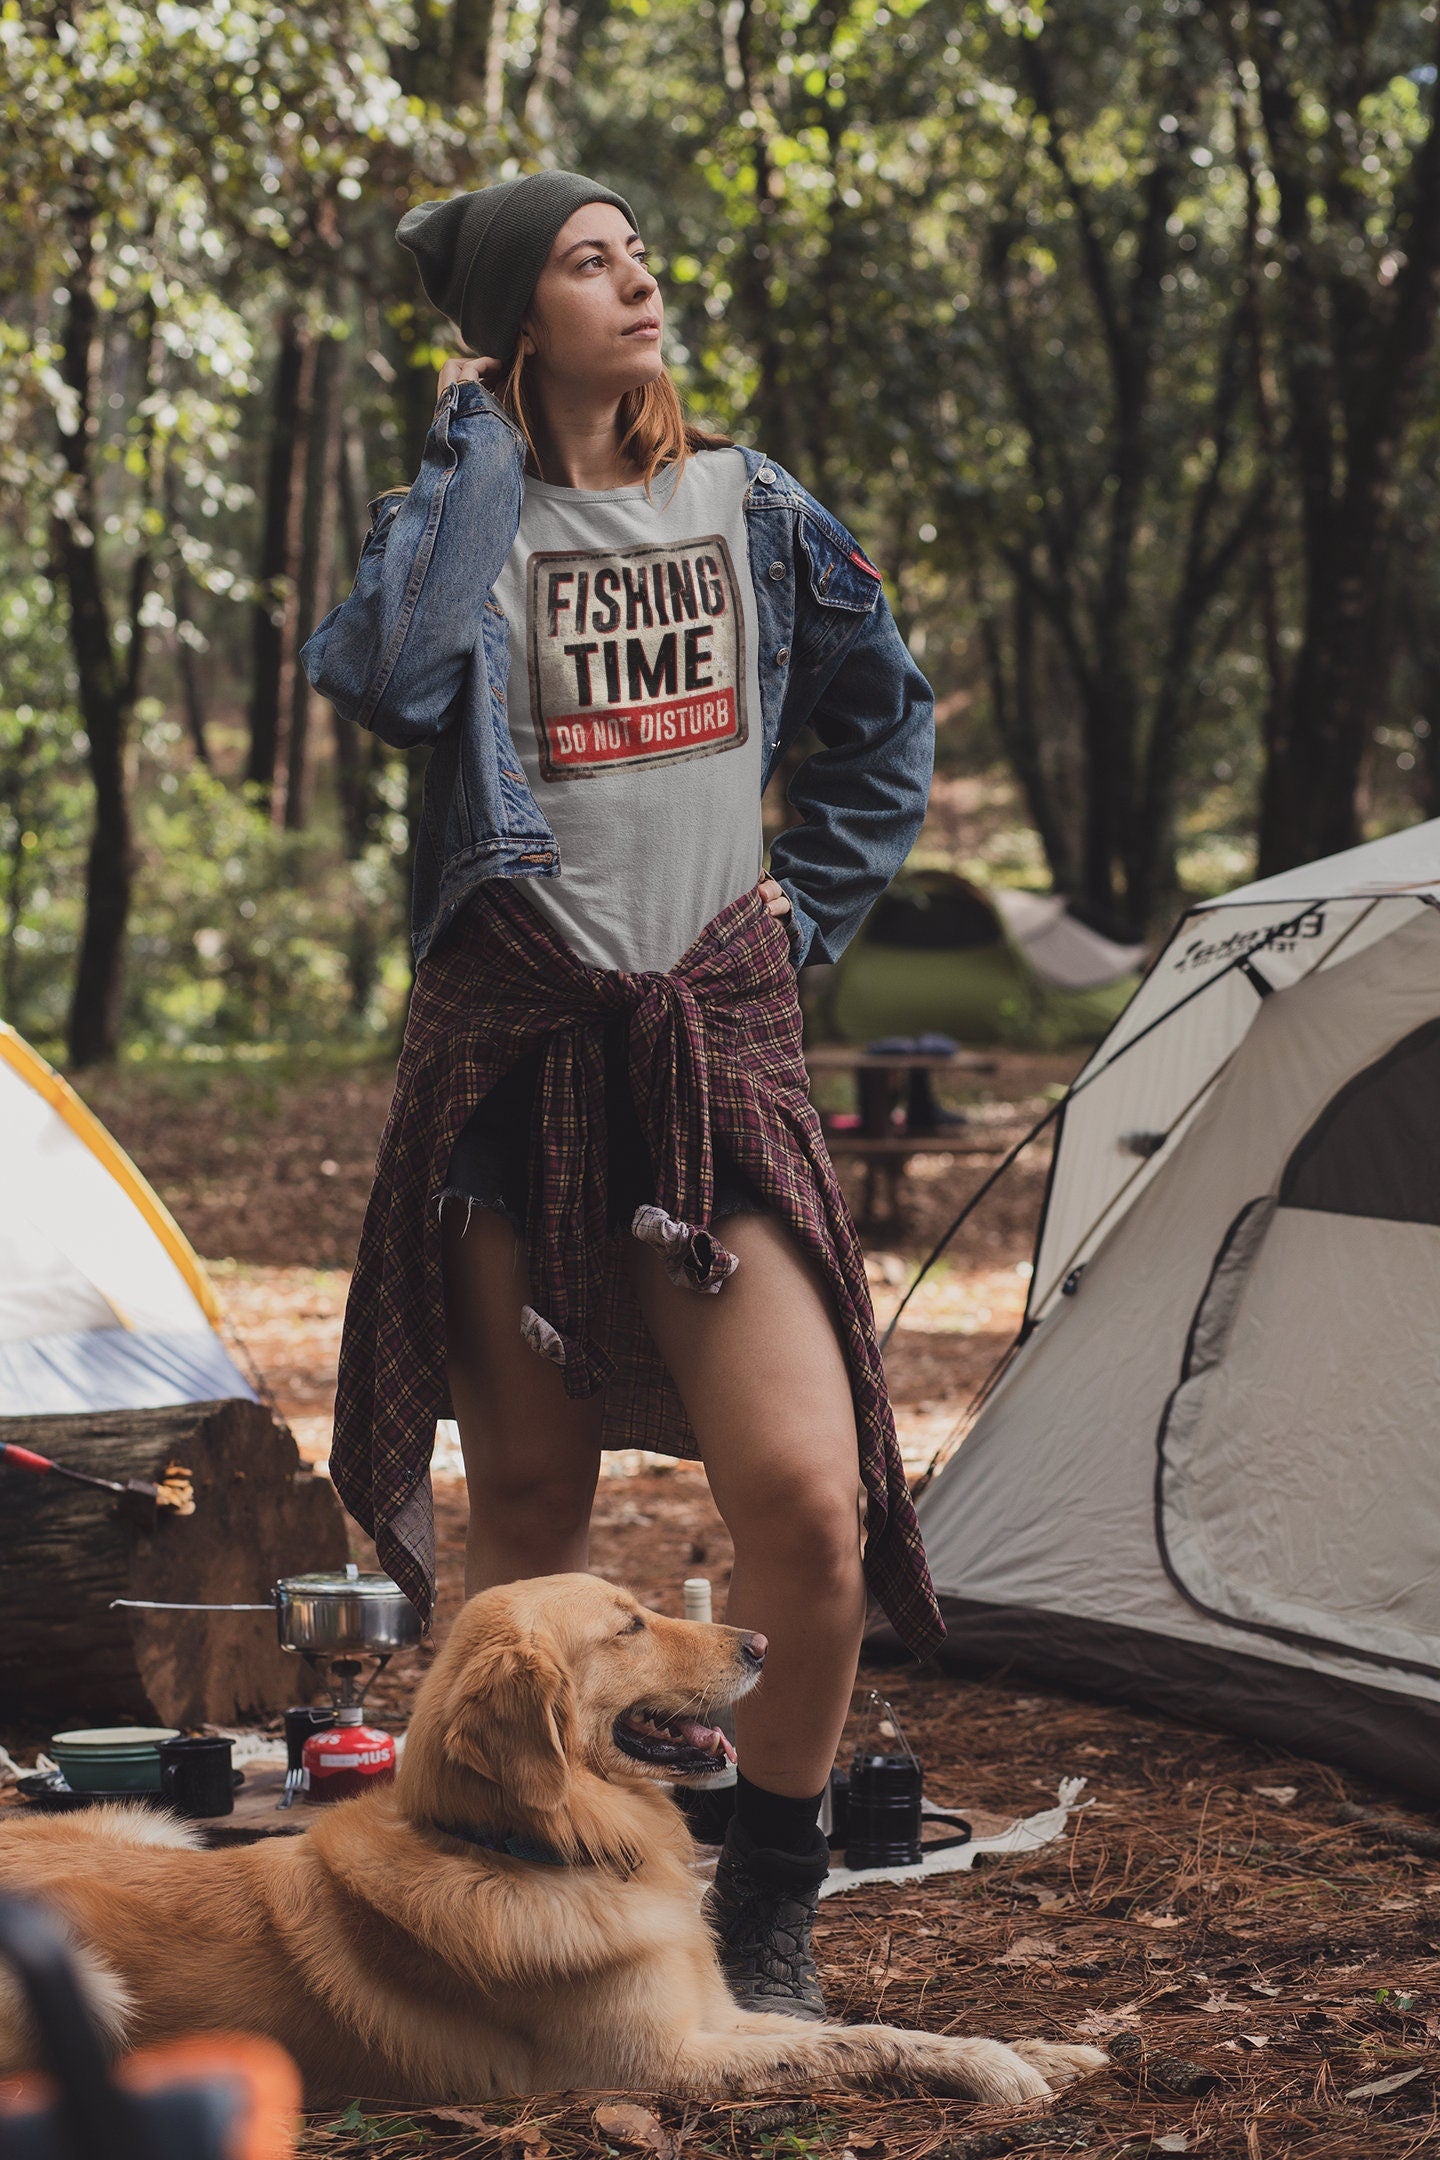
(775,897)
(485,371)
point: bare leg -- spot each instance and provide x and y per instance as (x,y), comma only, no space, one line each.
(532,1456)
(762,1374)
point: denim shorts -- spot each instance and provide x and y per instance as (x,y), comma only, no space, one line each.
(490,1161)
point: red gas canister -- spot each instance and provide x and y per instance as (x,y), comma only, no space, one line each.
(349,1758)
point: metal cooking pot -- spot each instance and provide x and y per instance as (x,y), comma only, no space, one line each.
(344,1615)
(336,1615)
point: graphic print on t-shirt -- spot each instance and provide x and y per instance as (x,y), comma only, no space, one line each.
(637,656)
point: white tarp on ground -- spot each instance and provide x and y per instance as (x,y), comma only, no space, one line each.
(1027,1834)
(103,1305)
(1224,1429)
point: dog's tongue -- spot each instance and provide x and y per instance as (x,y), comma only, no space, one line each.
(705,1736)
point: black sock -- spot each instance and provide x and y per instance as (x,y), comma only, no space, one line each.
(774,1820)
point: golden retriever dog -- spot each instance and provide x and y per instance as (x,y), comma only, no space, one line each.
(517,1913)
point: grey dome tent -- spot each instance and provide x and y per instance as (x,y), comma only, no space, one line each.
(1209,1480)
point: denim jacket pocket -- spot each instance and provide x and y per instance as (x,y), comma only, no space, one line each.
(841,575)
(839,595)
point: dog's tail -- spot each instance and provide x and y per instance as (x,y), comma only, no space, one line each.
(128,1824)
(105,1995)
(103,1991)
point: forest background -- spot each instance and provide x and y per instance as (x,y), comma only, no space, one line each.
(1110,330)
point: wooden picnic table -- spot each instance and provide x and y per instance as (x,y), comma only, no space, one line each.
(882,1079)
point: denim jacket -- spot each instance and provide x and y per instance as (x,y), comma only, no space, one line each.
(419,652)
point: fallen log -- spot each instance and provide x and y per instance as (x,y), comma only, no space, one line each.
(242,1509)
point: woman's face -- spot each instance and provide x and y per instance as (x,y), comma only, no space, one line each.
(596,316)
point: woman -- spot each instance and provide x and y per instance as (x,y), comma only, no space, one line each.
(608,626)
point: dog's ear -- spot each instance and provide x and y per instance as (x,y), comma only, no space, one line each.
(515,1724)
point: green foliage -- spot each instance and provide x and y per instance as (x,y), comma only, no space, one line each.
(1011,287)
(247,934)
(243,935)
(44,803)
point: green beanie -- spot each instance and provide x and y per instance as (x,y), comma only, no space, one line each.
(481,254)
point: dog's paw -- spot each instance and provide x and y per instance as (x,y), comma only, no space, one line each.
(985,2070)
(1060,2063)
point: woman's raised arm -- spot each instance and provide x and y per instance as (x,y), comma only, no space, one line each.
(392,655)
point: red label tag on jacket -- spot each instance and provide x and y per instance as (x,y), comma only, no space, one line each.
(868,567)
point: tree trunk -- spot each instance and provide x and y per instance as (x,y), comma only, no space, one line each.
(187,669)
(14,776)
(493,94)
(537,100)
(359,755)
(1013,707)
(294,357)
(67,1657)
(464,65)
(415,764)
(1354,354)
(354,488)
(1309,796)
(106,689)
(315,569)
(1428,790)
(769,402)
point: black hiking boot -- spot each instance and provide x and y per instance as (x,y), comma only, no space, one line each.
(761,1908)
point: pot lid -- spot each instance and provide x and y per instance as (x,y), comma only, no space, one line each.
(347,1582)
(116,1739)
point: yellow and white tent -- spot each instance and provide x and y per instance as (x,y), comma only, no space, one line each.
(103,1305)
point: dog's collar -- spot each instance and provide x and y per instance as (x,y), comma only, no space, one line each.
(519,1848)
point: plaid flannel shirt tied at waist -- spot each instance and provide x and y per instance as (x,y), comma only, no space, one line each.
(714,1053)
(681,1025)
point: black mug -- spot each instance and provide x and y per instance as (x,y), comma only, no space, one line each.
(882,1811)
(195,1776)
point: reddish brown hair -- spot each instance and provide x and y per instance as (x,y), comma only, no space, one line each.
(653,428)
(654,432)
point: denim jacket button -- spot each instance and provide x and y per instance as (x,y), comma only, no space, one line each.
(765,473)
(783,655)
(777,569)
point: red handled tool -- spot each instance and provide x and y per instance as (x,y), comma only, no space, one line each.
(135,1500)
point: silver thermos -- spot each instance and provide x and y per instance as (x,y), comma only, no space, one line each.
(708,1808)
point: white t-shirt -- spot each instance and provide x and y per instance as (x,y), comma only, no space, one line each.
(634,705)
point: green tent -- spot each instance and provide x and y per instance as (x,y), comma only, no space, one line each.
(999,966)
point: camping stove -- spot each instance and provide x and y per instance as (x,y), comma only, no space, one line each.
(328,1750)
(337,1623)
(348,1758)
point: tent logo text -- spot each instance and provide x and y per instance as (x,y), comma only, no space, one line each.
(1280,938)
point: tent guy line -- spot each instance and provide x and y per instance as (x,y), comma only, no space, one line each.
(1076,1088)
(1245,963)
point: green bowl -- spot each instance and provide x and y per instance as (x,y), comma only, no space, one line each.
(117,1758)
